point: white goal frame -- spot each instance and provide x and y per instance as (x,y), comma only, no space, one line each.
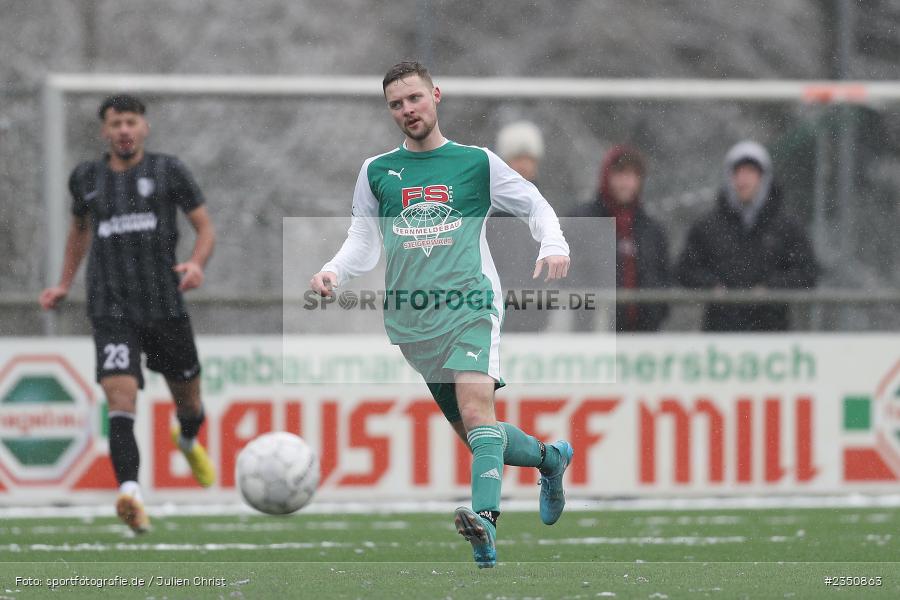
(58,86)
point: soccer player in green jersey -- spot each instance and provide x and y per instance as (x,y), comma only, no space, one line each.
(425,203)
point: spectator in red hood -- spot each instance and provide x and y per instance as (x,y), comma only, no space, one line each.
(642,254)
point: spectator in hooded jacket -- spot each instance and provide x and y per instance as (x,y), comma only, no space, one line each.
(747,242)
(521,146)
(642,254)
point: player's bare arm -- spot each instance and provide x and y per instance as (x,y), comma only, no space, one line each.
(78,241)
(192,270)
(557,267)
(323,283)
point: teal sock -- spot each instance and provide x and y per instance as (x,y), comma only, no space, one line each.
(523,450)
(486,442)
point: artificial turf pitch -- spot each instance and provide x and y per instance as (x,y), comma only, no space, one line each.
(758,553)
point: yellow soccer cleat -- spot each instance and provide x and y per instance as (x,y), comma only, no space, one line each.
(131,511)
(201,465)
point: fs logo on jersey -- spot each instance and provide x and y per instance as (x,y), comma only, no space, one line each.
(428,193)
(426,216)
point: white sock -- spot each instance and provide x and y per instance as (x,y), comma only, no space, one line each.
(131,488)
(186,444)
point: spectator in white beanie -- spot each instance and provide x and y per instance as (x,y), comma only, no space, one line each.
(521,146)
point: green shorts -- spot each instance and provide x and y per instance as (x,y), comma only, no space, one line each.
(473,347)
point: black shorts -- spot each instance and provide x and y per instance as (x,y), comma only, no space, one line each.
(168,344)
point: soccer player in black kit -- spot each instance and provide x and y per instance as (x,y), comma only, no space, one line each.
(124,209)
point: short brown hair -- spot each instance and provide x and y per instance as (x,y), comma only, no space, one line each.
(405,69)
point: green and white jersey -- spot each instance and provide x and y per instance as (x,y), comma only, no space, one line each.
(428,211)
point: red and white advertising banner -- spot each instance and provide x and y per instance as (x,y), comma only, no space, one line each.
(688,415)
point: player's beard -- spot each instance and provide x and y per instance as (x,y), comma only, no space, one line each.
(126,154)
(422,134)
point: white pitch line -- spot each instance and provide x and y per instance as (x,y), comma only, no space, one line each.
(689,520)
(390,525)
(97,547)
(279,525)
(248,527)
(368,544)
(169,509)
(682,540)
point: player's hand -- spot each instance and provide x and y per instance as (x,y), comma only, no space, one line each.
(51,296)
(557,267)
(323,283)
(191,275)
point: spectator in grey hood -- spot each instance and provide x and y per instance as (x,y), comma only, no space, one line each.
(747,242)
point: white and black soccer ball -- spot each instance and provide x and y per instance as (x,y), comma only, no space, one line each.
(277,473)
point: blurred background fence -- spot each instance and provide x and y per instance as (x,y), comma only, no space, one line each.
(262,158)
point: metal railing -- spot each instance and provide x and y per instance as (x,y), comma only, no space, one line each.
(814,309)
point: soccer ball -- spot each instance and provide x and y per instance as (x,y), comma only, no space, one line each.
(277,473)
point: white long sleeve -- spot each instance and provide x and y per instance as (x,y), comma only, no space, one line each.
(512,193)
(362,248)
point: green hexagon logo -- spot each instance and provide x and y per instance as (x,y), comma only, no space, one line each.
(46,427)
